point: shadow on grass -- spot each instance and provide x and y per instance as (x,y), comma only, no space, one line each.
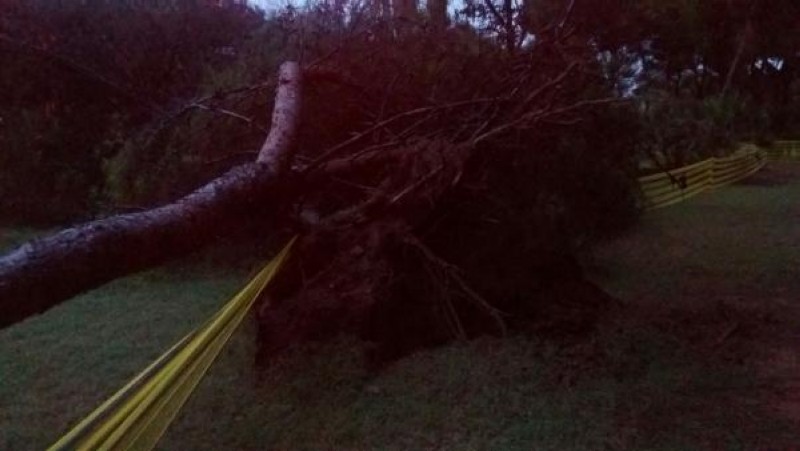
(656,380)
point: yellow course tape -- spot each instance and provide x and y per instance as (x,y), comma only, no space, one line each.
(660,190)
(137,416)
(785,150)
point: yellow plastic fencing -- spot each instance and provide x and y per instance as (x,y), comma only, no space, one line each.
(137,416)
(667,188)
(784,150)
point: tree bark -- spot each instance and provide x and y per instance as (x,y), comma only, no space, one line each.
(404,9)
(276,151)
(437,13)
(743,40)
(44,272)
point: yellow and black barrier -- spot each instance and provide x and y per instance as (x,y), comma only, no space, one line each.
(677,185)
(137,416)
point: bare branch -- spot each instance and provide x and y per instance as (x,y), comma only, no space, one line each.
(249,121)
(493,9)
(129,93)
(543,113)
(567,15)
(327,154)
(549,85)
(452,272)
(410,188)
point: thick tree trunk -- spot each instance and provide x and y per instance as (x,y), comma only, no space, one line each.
(46,271)
(285,118)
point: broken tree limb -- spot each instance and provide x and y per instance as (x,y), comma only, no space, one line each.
(44,272)
(285,117)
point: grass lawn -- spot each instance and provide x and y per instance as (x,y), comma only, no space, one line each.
(690,364)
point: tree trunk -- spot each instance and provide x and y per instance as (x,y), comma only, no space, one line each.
(746,35)
(47,271)
(404,9)
(510,26)
(437,13)
(44,272)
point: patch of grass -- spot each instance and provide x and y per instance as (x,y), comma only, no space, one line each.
(672,378)
(633,389)
(736,243)
(58,366)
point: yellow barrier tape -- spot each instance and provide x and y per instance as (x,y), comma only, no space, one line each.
(138,415)
(661,190)
(785,150)
(699,166)
(670,185)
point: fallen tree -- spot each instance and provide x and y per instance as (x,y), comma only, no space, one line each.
(45,271)
(426,210)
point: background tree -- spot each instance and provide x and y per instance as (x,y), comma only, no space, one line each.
(437,13)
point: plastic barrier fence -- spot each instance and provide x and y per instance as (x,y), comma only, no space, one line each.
(784,150)
(667,188)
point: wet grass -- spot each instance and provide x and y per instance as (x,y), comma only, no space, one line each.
(666,375)
(736,243)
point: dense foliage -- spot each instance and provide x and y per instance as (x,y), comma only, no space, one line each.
(101,111)
(84,82)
